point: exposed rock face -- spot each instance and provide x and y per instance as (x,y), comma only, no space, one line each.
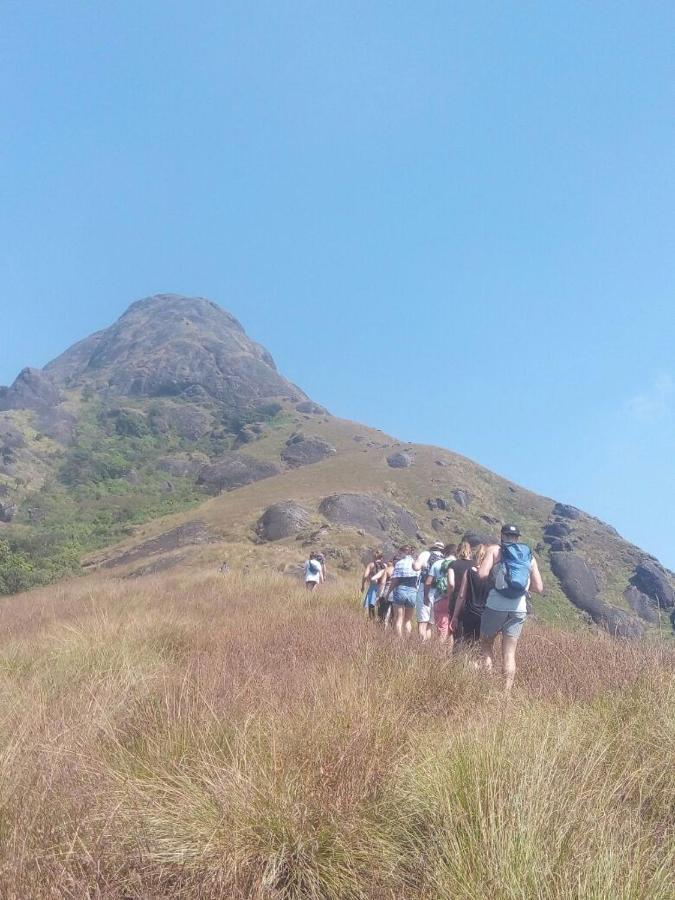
(31,390)
(437,503)
(373,514)
(565,511)
(7,511)
(235,471)
(580,585)
(282,520)
(462,498)
(313,409)
(304,451)
(168,345)
(191,533)
(650,579)
(400,460)
(557,530)
(642,605)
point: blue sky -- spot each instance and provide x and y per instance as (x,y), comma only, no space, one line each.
(452,221)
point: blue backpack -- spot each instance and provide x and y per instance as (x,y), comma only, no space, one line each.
(516,559)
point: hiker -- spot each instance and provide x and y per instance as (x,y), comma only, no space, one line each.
(436,584)
(459,567)
(402,588)
(470,601)
(423,608)
(514,572)
(384,605)
(371,580)
(315,571)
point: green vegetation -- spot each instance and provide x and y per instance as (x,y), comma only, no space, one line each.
(161,741)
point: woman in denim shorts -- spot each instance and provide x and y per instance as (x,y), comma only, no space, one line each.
(403,590)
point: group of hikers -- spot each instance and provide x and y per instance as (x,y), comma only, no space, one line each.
(462,593)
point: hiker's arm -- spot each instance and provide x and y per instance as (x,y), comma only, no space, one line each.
(418,564)
(365,577)
(536,581)
(428,581)
(392,584)
(460,603)
(451,584)
(489,562)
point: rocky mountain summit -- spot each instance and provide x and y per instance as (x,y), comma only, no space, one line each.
(174,404)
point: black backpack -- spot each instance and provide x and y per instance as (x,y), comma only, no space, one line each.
(434,557)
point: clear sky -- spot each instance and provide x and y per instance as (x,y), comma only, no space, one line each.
(453,221)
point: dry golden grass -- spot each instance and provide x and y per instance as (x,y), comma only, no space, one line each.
(199,737)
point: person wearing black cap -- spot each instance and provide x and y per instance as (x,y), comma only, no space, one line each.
(514,572)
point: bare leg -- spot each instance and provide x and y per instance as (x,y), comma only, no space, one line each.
(425,631)
(408,612)
(397,612)
(450,642)
(509,661)
(487,649)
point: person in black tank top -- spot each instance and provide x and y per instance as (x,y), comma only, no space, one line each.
(459,566)
(471,599)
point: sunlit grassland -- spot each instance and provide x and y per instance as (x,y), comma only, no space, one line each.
(204,736)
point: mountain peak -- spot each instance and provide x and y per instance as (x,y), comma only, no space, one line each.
(169,344)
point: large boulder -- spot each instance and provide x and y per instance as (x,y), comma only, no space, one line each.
(642,605)
(557,530)
(462,498)
(310,408)
(652,580)
(304,451)
(7,511)
(400,460)
(565,511)
(581,587)
(234,471)
(375,515)
(183,465)
(282,520)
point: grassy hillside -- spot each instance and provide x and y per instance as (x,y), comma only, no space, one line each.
(203,736)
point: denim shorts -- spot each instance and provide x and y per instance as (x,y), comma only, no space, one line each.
(405,595)
(493,621)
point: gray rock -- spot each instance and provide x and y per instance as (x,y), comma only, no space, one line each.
(438,525)
(7,511)
(557,530)
(462,498)
(375,515)
(652,580)
(187,465)
(581,587)
(234,471)
(305,451)
(642,605)
(400,460)
(282,520)
(308,406)
(438,503)
(566,511)
(442,463)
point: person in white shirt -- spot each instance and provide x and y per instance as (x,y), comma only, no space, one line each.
(315,571)
(423,608)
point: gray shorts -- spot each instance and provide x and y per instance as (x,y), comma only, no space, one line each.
(493,621)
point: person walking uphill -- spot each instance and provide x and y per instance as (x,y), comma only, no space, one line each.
(315,571)
(403,589)
(370,580)
(424,606)
(514,572)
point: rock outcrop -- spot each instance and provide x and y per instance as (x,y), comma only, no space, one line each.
(652,580)
(235,471)
(282,520)
(400,460)
(32,389)
(305,451)
(372,514)
(191,533)
(581,587)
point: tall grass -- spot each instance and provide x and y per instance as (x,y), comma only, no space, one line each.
(237,738)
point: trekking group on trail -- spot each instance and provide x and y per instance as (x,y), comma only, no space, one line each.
(460,593)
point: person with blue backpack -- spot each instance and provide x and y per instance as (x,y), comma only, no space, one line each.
(514,573)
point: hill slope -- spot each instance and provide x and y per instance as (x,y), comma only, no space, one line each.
(174,404)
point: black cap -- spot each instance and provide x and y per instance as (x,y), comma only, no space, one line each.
(511,530)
